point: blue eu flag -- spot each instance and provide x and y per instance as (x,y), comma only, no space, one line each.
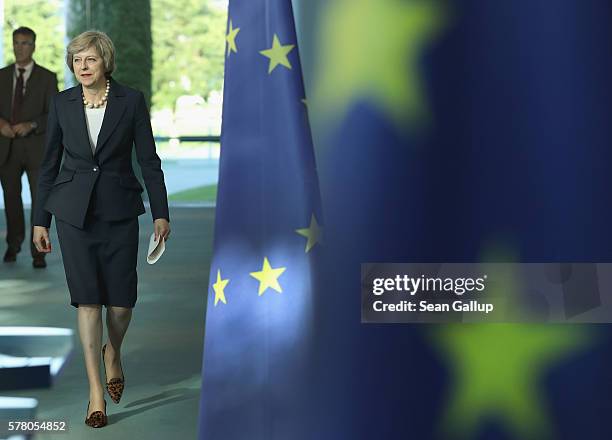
(461,132)
(267,233)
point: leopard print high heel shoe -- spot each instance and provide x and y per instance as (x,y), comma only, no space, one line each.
(96,419)
(115,386)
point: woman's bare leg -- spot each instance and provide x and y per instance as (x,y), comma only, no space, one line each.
(117,322)
(90,331)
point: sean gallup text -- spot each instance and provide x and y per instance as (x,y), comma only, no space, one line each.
(426,306)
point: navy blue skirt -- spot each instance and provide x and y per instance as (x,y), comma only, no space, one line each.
(100,261)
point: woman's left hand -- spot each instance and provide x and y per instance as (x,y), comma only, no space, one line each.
(161,228)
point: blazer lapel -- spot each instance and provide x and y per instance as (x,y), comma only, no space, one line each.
(31,83)
(115,107)
(7,90)
(76,108)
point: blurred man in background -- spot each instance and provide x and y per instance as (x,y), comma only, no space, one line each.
(25,92)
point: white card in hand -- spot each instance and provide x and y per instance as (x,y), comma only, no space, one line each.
(156,249)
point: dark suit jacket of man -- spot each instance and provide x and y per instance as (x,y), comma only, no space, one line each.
(105,178)
(40,87)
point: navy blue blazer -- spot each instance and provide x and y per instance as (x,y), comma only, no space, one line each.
(105,178)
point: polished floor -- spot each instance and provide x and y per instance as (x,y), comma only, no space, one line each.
(162,352)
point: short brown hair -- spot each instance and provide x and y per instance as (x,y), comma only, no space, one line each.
(99,41)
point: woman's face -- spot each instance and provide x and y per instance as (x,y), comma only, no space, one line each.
(89,68)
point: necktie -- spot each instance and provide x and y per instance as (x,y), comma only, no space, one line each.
(17,98)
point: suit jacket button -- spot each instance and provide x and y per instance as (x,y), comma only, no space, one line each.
(95,169)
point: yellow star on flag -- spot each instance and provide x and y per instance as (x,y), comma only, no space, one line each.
(218,288)
(497,369)
(277,54)
(231,39)
(371,50)
(313,233)
(268,277)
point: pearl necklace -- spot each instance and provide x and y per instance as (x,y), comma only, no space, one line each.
(101,102)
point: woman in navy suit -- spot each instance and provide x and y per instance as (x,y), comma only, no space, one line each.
(95,198)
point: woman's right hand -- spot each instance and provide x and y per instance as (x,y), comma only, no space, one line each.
(40,237)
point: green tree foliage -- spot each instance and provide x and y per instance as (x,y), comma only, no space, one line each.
(188,53)
(44,17)
(128,24)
